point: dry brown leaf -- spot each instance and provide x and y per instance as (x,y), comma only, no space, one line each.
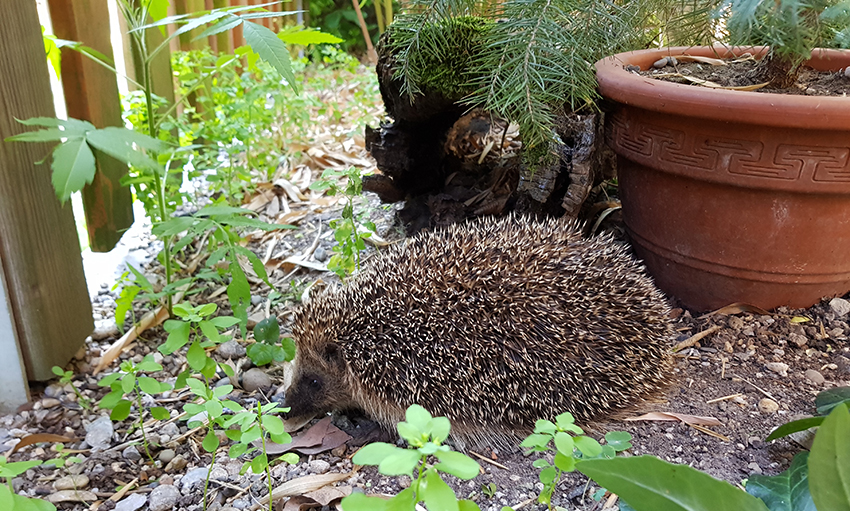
(301,486)
(697,58)
(328,494)
(682,417)
(292,218)
(37,438)
(322,437)
(736,308)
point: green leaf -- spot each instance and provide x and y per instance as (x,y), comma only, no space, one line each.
(149,385)
(273,424)
(291,458)
(178,336)
(545,427)
(829,399)
(47,135)
(440,426)
(794,426)
(21,503)
(121,411)
(829,462)
(160,413)
(196,356)
(649,484)
(222,391)
(360,502)
(401,462)
(374,454)
(213,408)
(73,167)
(267,330)
(128,382)
(6,497)
(535,440)
(259,463)
(109,379)
(457,464)
(437,494)
(548,475)
(306,37)
(283,438)
(564,443)
(237,450)
(110,400)
(419,418)
(210,331)
(148,365)
(271,49)
(261,354)
(222,322)
(619,440)
(588,446)
(564,463)
(119,143)
(788,491)
(409,433)
(211,442)
(468,505)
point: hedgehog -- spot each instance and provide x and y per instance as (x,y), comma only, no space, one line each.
(493,323)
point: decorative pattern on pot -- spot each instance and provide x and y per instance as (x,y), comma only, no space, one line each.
(731,205)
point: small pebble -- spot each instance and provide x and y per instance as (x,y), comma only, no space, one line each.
(131,453)
(77,482)
(166,456)
(255,379)
(231,350)
(99,433)
(132,502)
(814,376)
(73,496)
(163,498)
(49,402)
(779,368)
(767,405)
(319,466)
(320,254)
(177,464)
(754,468)
(839,305)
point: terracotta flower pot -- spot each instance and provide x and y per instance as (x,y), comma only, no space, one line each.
(732,196)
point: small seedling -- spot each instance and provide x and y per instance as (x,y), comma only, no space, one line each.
(425,435)
(269,345)
(351,241)
(66,378)
(570,446)
(11,501)
(489,490)
(63,458)
(128,381)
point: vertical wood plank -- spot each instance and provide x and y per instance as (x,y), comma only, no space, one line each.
(224,42)
(39,251)
(91,94)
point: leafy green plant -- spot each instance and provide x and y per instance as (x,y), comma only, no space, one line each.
(792,28)
(219,222)
(350,239)
(425,435)
(129,381)
(198,326)
(816,481)
(269,346)
(67,378)
(570,446)
(489,490)
(825,402)
(63,458)
(9,500)
(73,162)
(260,424)
(523,60)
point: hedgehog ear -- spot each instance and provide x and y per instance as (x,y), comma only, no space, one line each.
(333,355)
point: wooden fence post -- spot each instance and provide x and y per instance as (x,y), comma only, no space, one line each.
(47,302)
(91,94)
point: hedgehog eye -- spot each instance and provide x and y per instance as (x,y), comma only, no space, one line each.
(314,383)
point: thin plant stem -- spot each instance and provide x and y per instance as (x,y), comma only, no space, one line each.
(207,482)
(263,438)
(142,424)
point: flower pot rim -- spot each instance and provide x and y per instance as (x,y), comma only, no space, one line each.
(766,109)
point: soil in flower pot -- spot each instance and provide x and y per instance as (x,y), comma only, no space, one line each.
(745,73)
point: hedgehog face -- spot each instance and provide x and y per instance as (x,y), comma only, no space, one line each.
(319,384)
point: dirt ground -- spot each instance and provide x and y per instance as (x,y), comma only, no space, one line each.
(752,372)
(742,73)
